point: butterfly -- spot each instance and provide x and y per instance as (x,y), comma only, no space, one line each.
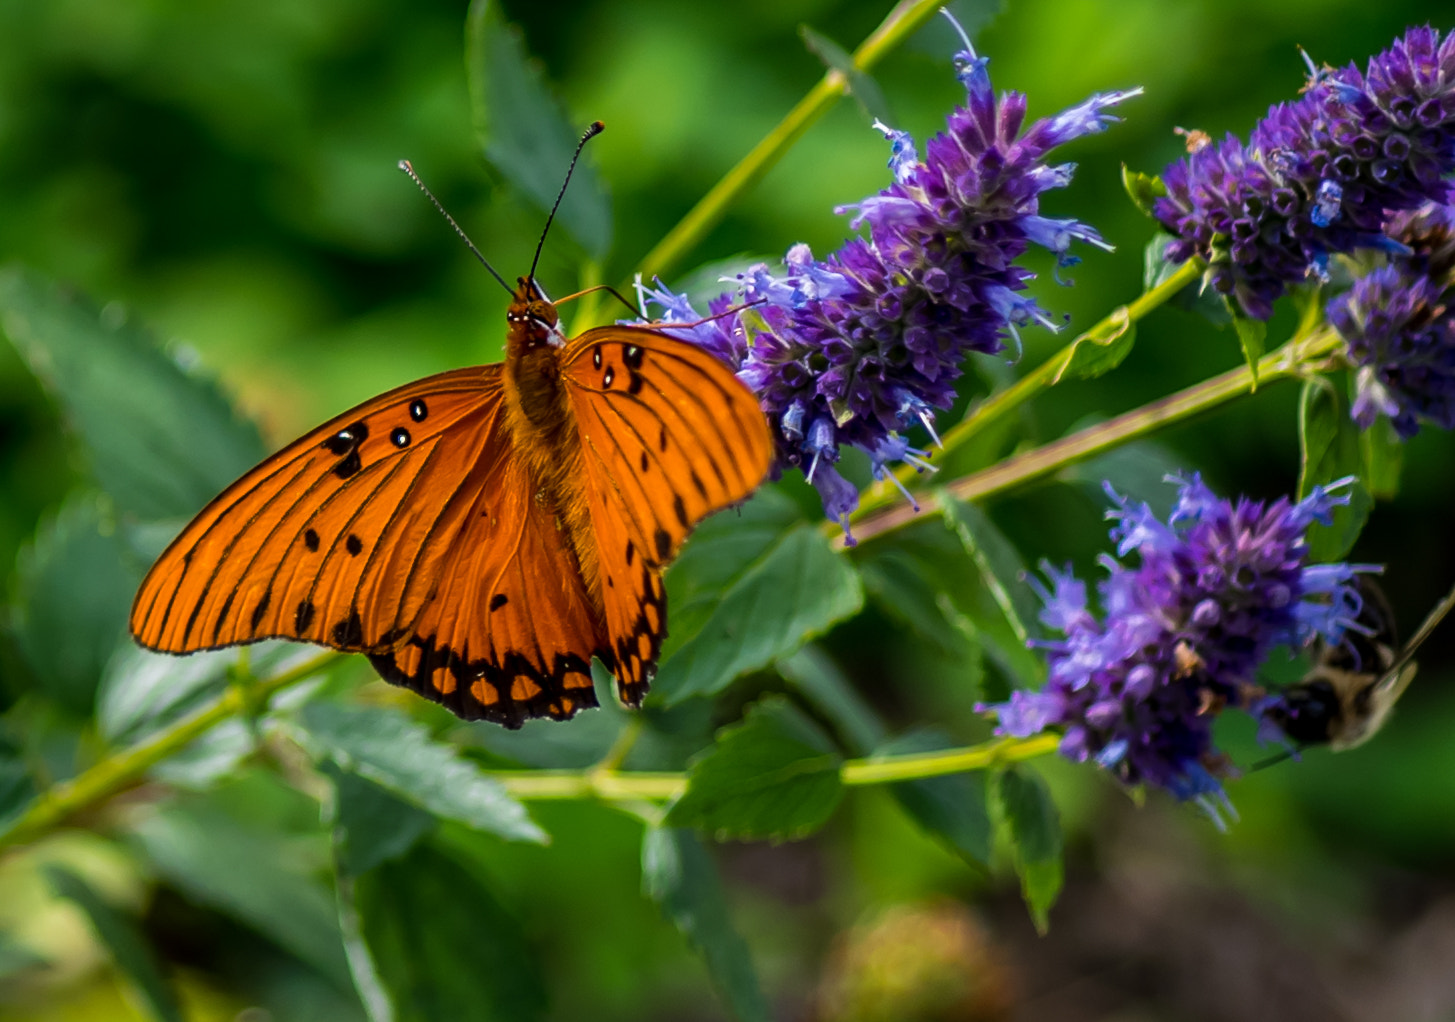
(481,534)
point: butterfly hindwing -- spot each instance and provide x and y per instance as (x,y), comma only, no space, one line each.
(668,435)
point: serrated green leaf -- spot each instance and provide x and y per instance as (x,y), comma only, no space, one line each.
(371,826)
(74,590)
(1027,818)
(680,876)
(952,808)
(815,675)
(386,747)
(1382,449)
(253,875)
(862,86)
(160,440)
(1252,336)
(765,610)
(524,132)
(773,775)
(434,944)
(1094,354)
(128,946)
(1143,189)
(1329,443)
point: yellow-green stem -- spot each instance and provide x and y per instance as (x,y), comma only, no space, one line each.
(1046,375)
(703,217)
(121,770)
(1289,361)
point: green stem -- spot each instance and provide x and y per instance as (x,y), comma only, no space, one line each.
(1292,360)
(1047,375)
(121,770)
(630,786)
(703,217)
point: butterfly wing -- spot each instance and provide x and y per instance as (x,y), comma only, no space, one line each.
(391,530)
(668,435)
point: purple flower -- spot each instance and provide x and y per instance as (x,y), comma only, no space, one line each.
(1399,330)
(1181,635)
(870,341)
(1320,174)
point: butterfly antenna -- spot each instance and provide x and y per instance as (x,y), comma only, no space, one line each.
(596,128)
(405,166)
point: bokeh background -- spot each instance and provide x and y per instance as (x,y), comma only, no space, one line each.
(224,172)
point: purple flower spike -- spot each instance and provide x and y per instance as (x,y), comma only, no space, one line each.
(1181,635)
(1320,174)
(1399,328)
(854,348)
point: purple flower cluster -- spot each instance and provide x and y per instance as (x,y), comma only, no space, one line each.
(1399,329)
(1182,634)
(1320,175)
(855,348)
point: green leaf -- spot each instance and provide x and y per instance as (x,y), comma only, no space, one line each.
(1143,189)
(386,747)
(1195,297)
(1027,819)
(257,876)
(824,686)
(161,440)
(434,944)
(125,941)
(1382,449)
(862,86)
(524,132)
(17,787)
(1252,336)
(921,575)
(952,808)
(773,775)
(74,591)
(1329,442)
(680,876)
(999,564)
(371,825)
(763,611)
(1094,354)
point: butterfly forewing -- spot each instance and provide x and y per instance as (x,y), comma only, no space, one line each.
(329,540)
(668,435)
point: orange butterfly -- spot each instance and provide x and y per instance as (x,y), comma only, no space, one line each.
(480,535)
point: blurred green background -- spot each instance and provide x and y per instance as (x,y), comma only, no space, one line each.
(224,173)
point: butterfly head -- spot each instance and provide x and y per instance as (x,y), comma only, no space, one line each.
(532,319)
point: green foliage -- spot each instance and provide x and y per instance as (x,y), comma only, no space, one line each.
(371,825)
(1331,449)
(386,747)
(679,875)
(760,610)
(160,440)
(774,775)
(434,944)
(126,943)
(862,86)
(952,808)
(524,132)
(1027,821)
(1095,354)
(1252,337)
(74,587)
(1143,189)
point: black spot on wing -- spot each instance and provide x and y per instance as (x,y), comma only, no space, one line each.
(634,385)
(664,544)
(645,462)
(498,600)
(633,356)
(418,410)
(631,552)
(310,540)
(680,510)
(303,617)
(399,437)
(354,545)
(349,633)
(259,610)
(349,465)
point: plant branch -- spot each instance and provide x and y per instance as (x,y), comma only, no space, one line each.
(1043,377)
(1292,360)
(901,22)
(120,770)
